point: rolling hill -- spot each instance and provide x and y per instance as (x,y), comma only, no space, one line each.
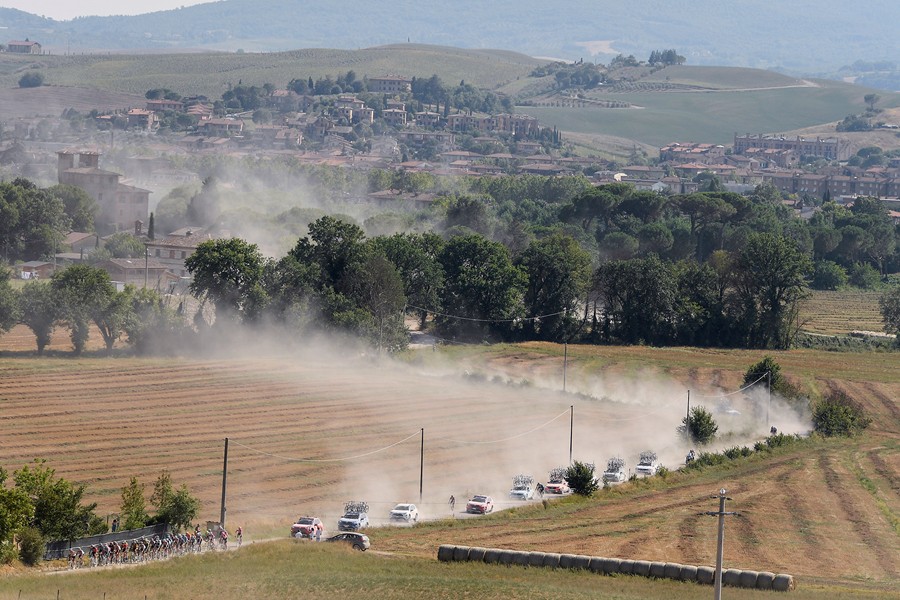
(752,33)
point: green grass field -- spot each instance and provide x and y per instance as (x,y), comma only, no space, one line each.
(212,73)
(709,116)
(842,311)
(721,77)
(289,569)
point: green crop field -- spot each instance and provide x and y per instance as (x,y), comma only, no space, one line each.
(660,117)
(212,73)
(721,77)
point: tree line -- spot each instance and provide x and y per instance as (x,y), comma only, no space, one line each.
(39,506)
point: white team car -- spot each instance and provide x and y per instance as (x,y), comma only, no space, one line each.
(615,471)
(405,512)
(522,492)
(353,521)
(648,464)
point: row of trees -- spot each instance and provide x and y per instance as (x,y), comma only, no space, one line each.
(475,289)
(81,295)
(41,506)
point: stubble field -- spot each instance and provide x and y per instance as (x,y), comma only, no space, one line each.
(827,512)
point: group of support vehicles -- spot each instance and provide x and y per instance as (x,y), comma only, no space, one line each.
(356,513)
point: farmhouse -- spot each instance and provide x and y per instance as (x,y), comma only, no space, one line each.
(138,272)
(390,85)
(172,250)
(26,47)
(120,204)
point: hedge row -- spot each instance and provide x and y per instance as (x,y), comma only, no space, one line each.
(608,566)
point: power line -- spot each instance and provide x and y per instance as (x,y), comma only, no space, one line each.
(743,389)
(504,439)
(448,316)
(324,460)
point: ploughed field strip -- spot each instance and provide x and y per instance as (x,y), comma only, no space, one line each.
(100,421)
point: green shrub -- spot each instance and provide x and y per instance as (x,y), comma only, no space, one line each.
(839,415)
(864,275)
(31,79)
(828,276)
(701,426)
(580,477)
(31,546)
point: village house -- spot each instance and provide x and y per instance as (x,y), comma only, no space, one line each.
(120,205)
(172,250)
(160,105)
(36,269)
(692,152)
(139,272)
(394,117)
(222,127)
(139,118)
(827,148)
(428,119)
(389,85)
(26,47)
(81,243)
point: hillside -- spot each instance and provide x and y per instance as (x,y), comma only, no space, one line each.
(304,424)
(706,104)
(211,73)
(687,103)
(752,33)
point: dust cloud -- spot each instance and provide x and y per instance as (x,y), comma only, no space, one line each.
(361,419)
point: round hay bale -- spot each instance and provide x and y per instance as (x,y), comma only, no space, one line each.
(672,570)
(566,561)
(783,583)
(626,567)
(764,580)
(461,553)
(536,559)
(731,577)
(476,554)
(506,557)
(748,579)
(611,565)
(657,569)
(582,562)
(641,567)
(445,553)
(688,573)
(706,575)
(491,556)
(551,559)
(520,558)
(596,565)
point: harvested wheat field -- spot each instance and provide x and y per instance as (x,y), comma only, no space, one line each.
(310,430)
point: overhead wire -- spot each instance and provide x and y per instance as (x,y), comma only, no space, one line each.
(323,460)
(741,390)
(506,439)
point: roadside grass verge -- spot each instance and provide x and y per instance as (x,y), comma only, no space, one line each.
(288,569)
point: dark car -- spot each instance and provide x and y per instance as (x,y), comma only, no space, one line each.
(359,541)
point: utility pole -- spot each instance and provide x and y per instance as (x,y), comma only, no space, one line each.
(571,429)
(224,478)
(720,547)
(421,464)
(769,393)
(687,422)
(146,266)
